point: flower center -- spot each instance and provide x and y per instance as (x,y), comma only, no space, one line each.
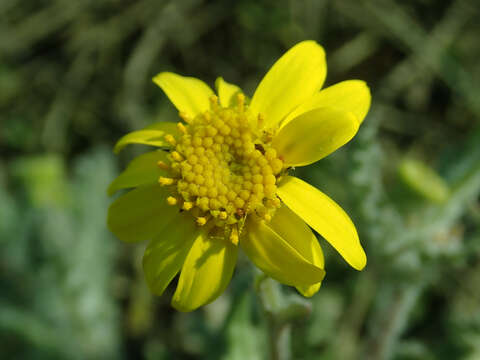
(226,168)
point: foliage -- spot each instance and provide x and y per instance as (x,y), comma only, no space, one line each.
(75,76)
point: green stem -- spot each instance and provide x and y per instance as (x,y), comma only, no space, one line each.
(272,301)
(280,310)
(279,340)
(391,319)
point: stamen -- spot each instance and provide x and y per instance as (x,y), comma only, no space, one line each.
(171,200)
(162,165)
(273,203)
(182,128)
(176,156)
(207,117)
(176,168)
(241,102)
(201,220)
(170,139)
(277,165)
(214,102)
(215,213)
(166,181)
(270,154)
(234,236)
(187,205)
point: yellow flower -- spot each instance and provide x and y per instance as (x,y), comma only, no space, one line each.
(220,180)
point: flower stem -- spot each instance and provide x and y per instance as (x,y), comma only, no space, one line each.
(280,310)
(279,340)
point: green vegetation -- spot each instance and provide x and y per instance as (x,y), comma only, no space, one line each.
(76,75)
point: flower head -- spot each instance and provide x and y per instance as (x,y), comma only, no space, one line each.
(221,180)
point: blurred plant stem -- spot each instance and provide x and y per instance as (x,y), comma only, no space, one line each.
(347,341)
(271,299)
(391,319)
(398,299)
(280,311)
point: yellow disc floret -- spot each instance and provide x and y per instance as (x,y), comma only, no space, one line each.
(223,168)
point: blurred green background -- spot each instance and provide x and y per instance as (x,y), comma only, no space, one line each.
(76,75)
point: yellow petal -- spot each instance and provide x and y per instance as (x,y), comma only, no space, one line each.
(298,235)
(226,92)
(314,135)
(142,170)
(324,216)
(188,94)
(276,257)
(165,255)
(294,78)
(141,214)
(206,272)
(153,136)
(350,96)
